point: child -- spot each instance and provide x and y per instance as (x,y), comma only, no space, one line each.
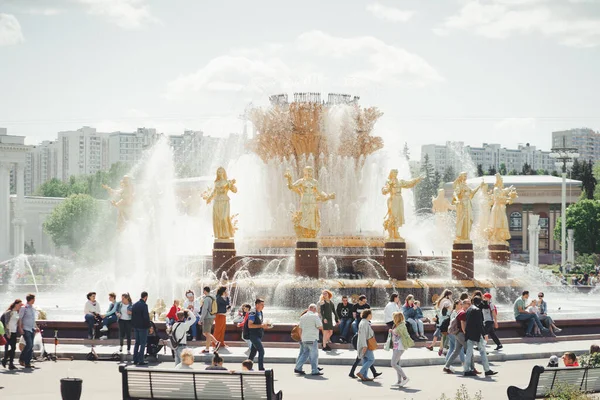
(570,359)
(533,309)
(244,310)
(401,342)
(217,363)
(187,359)
(420,312)
(247,365)
(239,318)
(153,345)
(172,314)
(553,362)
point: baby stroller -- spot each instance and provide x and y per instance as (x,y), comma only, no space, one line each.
(154,343)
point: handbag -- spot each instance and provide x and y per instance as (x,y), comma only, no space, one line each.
(388,343)
(2,340)
(295,334)
(372,343)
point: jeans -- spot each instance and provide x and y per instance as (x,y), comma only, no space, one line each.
(125,332)
(367,360)
(491,331)
(90,320)
(452,346)
(355,326)
(459,344)
(9,355)
(178,351)
(344,327)
(257,346)
(109,320)
(27,352)
(531,319)
(417,326)
(141,336)
(470,361)
(194,328)
(396,358)
(309,350)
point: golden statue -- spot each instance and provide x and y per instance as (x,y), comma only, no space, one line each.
(307,221)
(497,230)
(223,224)
(485,206)
(440,204)
(125,201)
(394,218)
(463,195)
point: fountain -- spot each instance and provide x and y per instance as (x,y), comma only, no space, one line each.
(283,252)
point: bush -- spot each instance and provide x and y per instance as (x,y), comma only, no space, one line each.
(564,391)
(463,394)
(590,360)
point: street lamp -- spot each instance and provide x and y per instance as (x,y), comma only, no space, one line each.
(564,157)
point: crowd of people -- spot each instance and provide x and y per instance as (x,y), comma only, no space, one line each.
(462,325)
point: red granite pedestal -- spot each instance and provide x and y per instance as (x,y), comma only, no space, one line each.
(223,251)
(463,261)
(394,259)
(499,254)
(307,258)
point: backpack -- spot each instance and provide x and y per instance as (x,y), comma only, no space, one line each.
(173,342)
(454,327)
(213,305)
(445,325)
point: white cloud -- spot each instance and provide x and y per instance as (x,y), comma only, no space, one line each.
(389,13)
(48,12)
(10,30)
(500,19)
(127,14)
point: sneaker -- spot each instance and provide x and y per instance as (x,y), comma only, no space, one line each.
(90,337)
(103,337)
(440,352)
(376,374)
(499,347)
(104,329)
(557,330)
(477,372)
(320,369)
(528,335)
(430,348)
(299,372)
(448,370)
(12,367)
(120,349)
(205,351)
(22,363)
(318,374)
(351,375)
(247,352)
(217,346)
(327,348)
(470,373)
(404,382)
(545,330)
(4,363)
(490,373)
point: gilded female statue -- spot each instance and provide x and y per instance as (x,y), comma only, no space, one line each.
(487,201)
(307,221)
(223,227)
(463,195)
(125,201)
(394,218)
(497,229)
(440,204)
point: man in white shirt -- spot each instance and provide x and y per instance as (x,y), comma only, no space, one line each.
(310,325)
(185,319)
(389,310)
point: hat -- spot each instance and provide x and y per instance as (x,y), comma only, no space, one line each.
(553,362)
(487,295)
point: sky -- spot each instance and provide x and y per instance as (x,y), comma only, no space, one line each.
(494,71)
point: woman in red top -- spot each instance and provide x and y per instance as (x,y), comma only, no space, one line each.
(172,315)
(570,359)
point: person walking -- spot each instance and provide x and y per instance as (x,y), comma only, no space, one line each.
(185,319)
(457,329)
(490,319)
(401,342)
(442,307)
(328,315)
(344,313)
(27,328)
(123,312)
(10,319)
(206,320)
(140,320)
(254,330)
(193,304)
(392,307)
(91,311)
(452,336)
(365,332)
(223,305)
(310,325)
(521,314)
(474,332)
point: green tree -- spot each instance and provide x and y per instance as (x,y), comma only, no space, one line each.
(491,171)
(449,175)
(584,218)
(513,172)
(554,173)
(480,170)
(428,187)
(527,170)
(584,172)
(73,221)
(502,169)
(53,188)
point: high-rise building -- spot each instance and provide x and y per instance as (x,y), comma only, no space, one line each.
(41,165)
(585,140)
(457,156)
(127,147)
(83,152)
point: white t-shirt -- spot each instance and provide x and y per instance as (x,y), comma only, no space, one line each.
(12,323)
(91,308)
(310,323)
(389,311)
(124,315)
(195,304)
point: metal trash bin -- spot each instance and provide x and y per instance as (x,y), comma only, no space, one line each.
(70,388)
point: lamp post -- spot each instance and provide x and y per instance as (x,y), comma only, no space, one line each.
(564,157)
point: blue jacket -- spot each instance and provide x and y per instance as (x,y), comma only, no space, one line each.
(409,312)
(140,318)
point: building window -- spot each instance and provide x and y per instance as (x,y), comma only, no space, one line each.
(516,221)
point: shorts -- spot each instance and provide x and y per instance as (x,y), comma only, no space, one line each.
(207,325)
(438,332)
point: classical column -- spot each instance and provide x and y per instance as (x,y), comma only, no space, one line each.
(524,225)
(19,220)
(5,168)
(534,240)
(570,247)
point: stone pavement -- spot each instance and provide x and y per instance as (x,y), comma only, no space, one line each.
(102,381)
(414,357)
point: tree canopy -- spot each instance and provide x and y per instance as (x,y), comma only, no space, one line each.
(584,218)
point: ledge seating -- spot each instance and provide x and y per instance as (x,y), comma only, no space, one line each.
(544,380)
(162,383)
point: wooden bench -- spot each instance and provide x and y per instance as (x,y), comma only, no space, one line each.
(544,380)
(164,383)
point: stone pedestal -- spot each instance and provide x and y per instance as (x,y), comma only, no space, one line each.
(223,251)
(394,259)
(463,261)
(307,258)
(499,254)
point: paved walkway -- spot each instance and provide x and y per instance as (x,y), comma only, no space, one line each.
(102,381)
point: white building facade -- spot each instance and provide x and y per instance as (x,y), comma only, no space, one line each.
(585,140)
